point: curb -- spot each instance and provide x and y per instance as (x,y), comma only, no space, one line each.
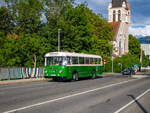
(140,76)
(23,81)
(107,74)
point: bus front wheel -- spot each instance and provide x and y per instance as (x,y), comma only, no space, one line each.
(75,76)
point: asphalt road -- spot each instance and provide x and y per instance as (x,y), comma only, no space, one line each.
(110,94)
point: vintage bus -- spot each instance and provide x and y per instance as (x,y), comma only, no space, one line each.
(72,66)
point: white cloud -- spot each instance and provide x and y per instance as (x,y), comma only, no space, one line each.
(140,31)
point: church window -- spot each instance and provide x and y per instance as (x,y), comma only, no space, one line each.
(119,15)
(114,15)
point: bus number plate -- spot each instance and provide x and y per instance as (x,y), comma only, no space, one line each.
(53,74)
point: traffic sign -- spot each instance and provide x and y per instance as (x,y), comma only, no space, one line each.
(105,60)
(135,66)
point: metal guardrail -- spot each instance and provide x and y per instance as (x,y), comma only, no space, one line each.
(20,73)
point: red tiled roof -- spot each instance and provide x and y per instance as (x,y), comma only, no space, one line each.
(115,26)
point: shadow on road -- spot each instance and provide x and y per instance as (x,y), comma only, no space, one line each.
(81,79)
(138,103)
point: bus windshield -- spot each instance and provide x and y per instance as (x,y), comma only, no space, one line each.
(56,61)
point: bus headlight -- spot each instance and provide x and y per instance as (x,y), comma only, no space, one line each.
(60,71)
(45,71)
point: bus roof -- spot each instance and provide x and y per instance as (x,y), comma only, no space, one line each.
(71,54)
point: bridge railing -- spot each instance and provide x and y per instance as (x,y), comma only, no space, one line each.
(20,73)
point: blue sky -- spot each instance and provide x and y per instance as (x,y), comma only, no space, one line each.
(140,14)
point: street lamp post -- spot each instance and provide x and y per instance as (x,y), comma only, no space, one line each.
(59,40)
(112,63)
(112,58)
(120,64)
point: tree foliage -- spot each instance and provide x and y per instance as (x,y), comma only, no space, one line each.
(134,46)
(131,59)
(6,21)
(34,31)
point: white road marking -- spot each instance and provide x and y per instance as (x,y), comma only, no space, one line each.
(118,111)
(69,96)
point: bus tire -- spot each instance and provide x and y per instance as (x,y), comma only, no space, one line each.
(75,76)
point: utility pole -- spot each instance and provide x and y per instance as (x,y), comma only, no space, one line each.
(59,40)
(112,63)
(112,56)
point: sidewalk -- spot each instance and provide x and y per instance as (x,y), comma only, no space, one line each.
(137,75)
(6,82)
(140,76)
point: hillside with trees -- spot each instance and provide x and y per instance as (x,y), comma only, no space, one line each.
(145,40)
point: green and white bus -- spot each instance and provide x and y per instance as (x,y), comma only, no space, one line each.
(72,66)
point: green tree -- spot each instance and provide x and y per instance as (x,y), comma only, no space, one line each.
(10,52)
(81,30)
(6,21)
(135,49)
(32,49)
(2,40)
(28,14)
(145,61)
(134,46)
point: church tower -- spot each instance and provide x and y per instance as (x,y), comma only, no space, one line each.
(119,17)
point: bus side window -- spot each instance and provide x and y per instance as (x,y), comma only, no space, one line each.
(96,61)
(81,60)
(91,60)
(99,61)
(87,60)
(68,60)
(49,61)
(74,60)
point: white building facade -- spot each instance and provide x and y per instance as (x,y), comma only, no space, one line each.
(119,15)
(146,49)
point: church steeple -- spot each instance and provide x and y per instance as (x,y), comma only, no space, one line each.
(119,17)
(119,11)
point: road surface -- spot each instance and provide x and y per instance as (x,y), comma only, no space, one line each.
(109,94)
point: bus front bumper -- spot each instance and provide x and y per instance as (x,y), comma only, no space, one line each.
(56,77)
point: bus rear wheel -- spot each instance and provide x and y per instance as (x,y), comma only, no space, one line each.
(75,76)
